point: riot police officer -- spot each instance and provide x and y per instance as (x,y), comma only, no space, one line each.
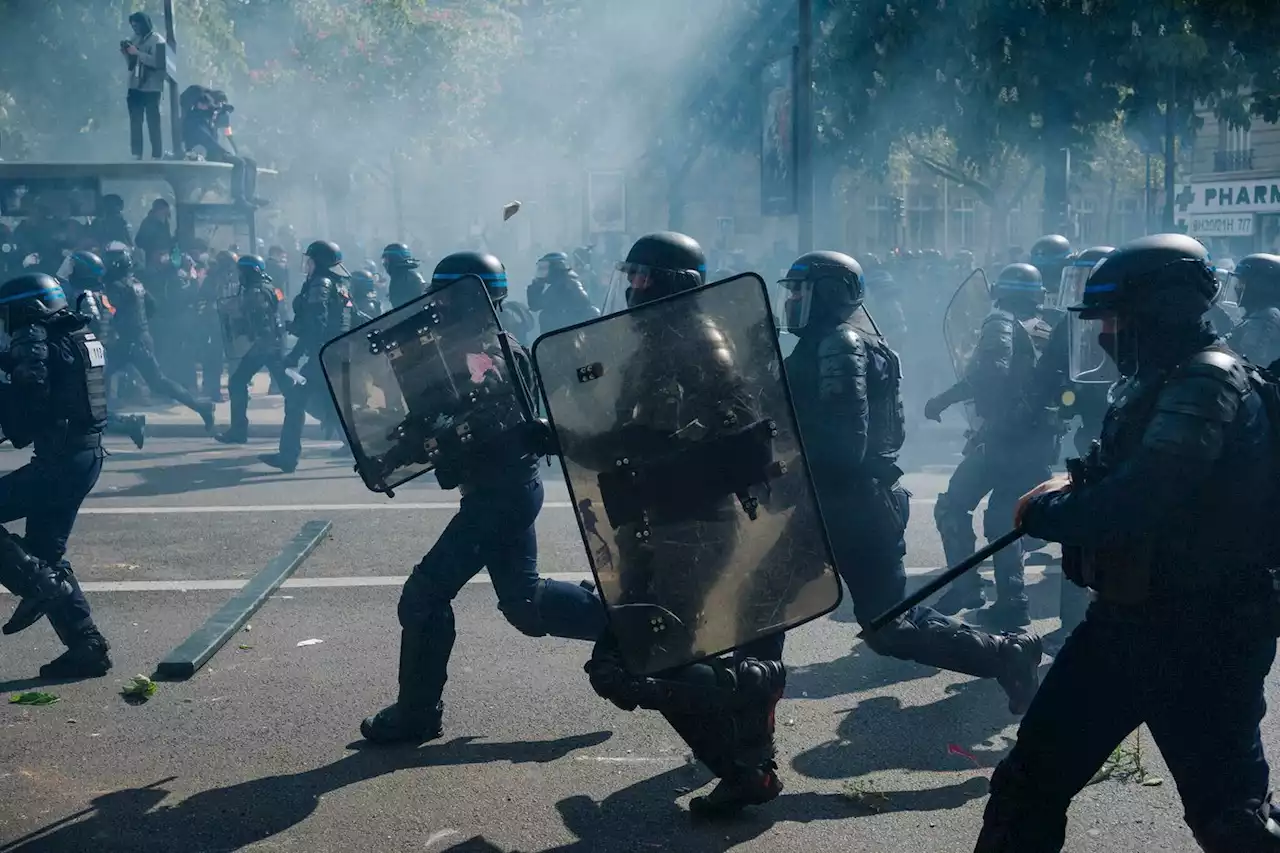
(1257,337)
(364,297)
(322,310)
(405,282)
(557,296)
(131,342)
(723,708)
(501,497)
(1012,450)
(81,274)
(844,382)
(1050,256)
(1163,523)
(54,400)
(258,314)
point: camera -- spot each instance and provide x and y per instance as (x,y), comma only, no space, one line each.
(124,44)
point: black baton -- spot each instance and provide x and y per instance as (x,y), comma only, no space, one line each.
(940,581)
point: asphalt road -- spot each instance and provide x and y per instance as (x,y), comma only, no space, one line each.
(259,750)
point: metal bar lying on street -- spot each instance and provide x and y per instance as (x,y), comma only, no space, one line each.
(940,581)
(196,650)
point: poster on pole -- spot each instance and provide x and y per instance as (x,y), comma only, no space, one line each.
(606,202)
(778,164)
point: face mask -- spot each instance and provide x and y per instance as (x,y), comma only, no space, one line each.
(1121,351)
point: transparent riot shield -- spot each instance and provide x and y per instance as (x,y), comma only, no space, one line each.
(429,386)
(962,327)
(237,331)
(1088,362)
(687,474)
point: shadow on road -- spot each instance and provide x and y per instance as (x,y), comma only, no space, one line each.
(239,815)
(213,473)
(645,816)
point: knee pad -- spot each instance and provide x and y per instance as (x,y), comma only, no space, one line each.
(420,604)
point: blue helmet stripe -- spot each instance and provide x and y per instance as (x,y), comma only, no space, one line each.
(1099,288)
(52,291)
(454,276)
(1019,285)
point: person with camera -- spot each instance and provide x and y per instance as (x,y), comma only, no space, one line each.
(144,54)
(206,124)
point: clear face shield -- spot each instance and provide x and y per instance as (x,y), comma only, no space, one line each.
(543,270)
(628,286)
(1095,347)
(793,305)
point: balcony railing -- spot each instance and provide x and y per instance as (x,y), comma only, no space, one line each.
(1233,161)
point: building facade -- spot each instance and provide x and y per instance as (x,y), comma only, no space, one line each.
(1231,200)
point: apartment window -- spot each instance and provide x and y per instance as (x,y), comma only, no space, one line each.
(963,223)
(1088,221)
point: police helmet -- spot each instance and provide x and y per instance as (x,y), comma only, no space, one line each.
(1259,277)
(1020,283)
(118,260)
(553,262)
(398,256)
(363,282)
(821,286)
(327,257)
(659,265)
(1160,277)
(482,265)
(253,269)
(85,266)
(1050,249)
(28,299)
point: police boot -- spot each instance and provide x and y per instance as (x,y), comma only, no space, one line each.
(747,769)
(86,658)
(39,584)
(417,715)
(205,409)
(1020,656)
(1007,614)
(233,436)
(277,461)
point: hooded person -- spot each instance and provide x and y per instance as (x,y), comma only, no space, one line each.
(144,55)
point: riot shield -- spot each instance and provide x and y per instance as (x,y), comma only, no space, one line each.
(686,471)
(431,385)
(237,331)
(962,327)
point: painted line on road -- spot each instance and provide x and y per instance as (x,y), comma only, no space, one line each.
(436,506)
(631,759)
(380,580)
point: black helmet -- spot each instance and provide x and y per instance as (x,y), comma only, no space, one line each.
(398,256)
(821,287)
(363,282)
(253,269)
(85,267)
(1050,249)
(28,299)
(482,265)
(1259,277)
(1160,277)
(118,260)
(327,257)
(553,262)
(1020,283)
(659,265)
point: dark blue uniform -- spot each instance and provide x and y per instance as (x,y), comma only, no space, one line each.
(494,530)
(1011,452)
(845,388)
(1182,633)
(259,310)
(54,400)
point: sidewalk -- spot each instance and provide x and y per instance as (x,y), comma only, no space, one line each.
(266,414)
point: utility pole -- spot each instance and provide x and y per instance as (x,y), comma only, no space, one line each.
(804,128)
(1170,136)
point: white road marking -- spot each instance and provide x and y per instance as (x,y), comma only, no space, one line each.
(377,580)
(629,759)
(434,506)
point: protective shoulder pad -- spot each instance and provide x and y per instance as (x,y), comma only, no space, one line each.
(843,340)
(1208,386)
(1220,364)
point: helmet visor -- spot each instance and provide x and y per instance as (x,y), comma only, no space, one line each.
(793,304)
(543,270)
(630,285)
(1089,360)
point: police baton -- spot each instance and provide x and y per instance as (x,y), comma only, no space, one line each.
(940,581)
